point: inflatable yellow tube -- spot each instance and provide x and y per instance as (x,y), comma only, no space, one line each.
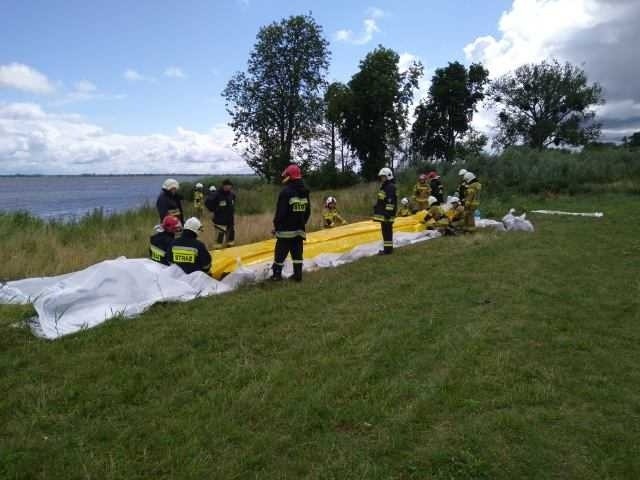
(331,240)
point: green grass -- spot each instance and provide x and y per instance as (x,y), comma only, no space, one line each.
(496,356)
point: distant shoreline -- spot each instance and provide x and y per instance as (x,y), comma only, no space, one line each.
(19,175)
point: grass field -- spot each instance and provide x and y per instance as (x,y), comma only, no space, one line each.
(496,356)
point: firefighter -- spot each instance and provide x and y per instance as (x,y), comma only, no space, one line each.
(198,199)
(471,200)
(330,214)
(292,213)
(169,201)
(189,253)
(404,210)
(164,234)
(437,189)
(435,218)
(384,211)
(421,193)
(462,187)
(456,214)
(222,204)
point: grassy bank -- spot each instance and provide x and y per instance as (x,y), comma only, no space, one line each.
(34,247)
(485,357)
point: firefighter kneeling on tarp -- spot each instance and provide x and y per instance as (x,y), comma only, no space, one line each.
(292,213)
(384,211)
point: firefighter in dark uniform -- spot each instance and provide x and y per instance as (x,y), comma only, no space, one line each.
(222,204)
(385,208)
(169,201)
(163,237)
(292,213)
(188,252)
(437,189)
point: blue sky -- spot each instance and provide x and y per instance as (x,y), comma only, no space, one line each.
(145,68)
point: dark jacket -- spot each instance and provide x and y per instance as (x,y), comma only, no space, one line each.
(292,211)
(189,253)
(385,208)
(222,204)
(437,189)
(158,245)
(169,204)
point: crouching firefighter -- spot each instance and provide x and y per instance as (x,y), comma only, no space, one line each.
(292,213)
(384,211)
(164,235)
(189,253)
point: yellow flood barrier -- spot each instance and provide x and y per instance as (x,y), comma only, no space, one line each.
(332,240)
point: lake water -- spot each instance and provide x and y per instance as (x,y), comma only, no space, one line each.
(67,197)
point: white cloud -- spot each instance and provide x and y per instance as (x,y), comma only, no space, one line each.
(23,77)
(35,141)
(84,91)
(369,28)
(132,75)
(174,72)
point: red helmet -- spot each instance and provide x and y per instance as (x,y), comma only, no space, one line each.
(292,172)
(171,224)
(422,177)
(432,174)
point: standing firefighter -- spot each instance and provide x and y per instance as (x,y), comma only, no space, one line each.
(330,214)
(198,199)
(384,211)
(435,183)
(169,201)
(462,186)
(421,193)
(222,204)
(189,253)
(164,235)
(292,213)
(471,200)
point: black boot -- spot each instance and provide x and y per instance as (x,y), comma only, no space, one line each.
(297,272)
(277,273)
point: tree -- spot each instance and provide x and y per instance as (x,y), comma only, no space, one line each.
(632,141)
(276,105)
(546,104)
(336,98)
(445,116)
(375,109)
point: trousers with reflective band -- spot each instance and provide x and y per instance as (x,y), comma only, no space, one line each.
(291,234)
(184,254)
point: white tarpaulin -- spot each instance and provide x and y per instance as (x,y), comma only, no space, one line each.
(124,287)
(572,214)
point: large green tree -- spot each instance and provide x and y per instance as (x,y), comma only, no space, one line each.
(375,108)
(545,104)
(445,116)
(277,103)
(336,98)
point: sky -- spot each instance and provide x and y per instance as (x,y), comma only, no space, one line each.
(134,87)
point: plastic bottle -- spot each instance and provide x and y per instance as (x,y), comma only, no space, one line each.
(476,215)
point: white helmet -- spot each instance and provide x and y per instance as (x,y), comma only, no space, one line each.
(330,200)
(462,172)
(212,188)
(199,185)
(193,224)
(432,200)
(170,183)
(386,172)
(404,201)
(468,177)
(454,200)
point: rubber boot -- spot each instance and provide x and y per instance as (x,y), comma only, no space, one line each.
(297,272)
(277,273)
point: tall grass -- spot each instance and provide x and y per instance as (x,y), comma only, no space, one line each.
(34,247)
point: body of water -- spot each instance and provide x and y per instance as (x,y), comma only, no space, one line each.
(68,197)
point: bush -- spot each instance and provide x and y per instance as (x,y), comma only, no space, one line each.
(329,177)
